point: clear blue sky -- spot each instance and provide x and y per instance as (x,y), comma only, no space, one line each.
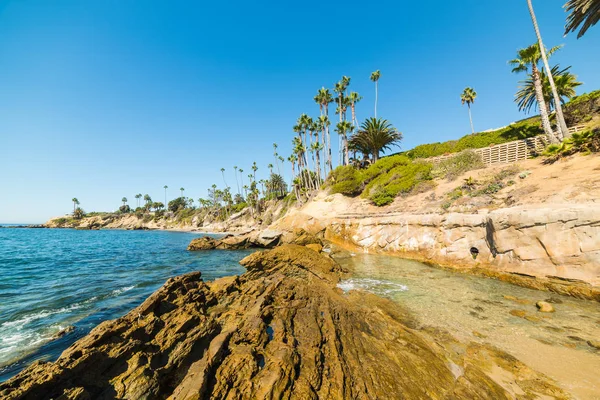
(105,99)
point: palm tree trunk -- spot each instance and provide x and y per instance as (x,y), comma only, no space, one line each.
(543,107)
(471,119)
(560,119)
(346,154)
(376,95)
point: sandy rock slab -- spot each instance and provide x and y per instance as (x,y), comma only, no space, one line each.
(282,330)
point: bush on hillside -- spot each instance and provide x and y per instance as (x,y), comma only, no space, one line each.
(177,204)
(399,180)
(346,180)
(384,165)
(581,108)
(453,167)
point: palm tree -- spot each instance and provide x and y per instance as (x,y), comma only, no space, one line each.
(242,180)
(324,98)
(354,98)
(148,200)
(343,128)
(237,183)
(223,173)
(124,200)
(566,83)
(468,96)
(375,78)
(254,169)
(562,126)
(530,57)
(138,197)
(181,189)
(75,203)
(375,135)
(586,12)
(166,187)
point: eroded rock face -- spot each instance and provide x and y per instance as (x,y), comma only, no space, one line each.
(263,239)
(281,330)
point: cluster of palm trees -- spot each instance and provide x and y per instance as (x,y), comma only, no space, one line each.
(313,138)
(546,88)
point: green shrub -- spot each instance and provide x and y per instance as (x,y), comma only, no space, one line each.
(346,180)
(581,108)
(384,165)
(453,167)
(400,180)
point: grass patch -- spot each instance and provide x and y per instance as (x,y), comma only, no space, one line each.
(453,167)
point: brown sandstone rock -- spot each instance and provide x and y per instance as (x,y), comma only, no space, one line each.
(202,243)
(544,306)
(315,246)
(281,330)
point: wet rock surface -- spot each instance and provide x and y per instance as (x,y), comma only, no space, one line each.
(281,330)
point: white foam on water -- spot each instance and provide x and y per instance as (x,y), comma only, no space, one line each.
(117,292)
(376,286)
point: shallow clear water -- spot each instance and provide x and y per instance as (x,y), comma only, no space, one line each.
(54,278)
(476,309)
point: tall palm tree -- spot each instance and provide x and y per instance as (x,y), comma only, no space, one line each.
(562,126)
(343,128)
(324,98)
(276,157)
(75,203)
(223,173)
(354,98)
(147,199)
(242,178)
(566,83)
(165,187)
(237,183)
(124,200)
(468,96)
(138,197)
(181,190)
(254,169)
(270,166)
(375,78)
(375,135)
(530,57)
(586,12)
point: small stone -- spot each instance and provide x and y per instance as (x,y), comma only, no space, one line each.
(544,306)
(518,313)
(594,343)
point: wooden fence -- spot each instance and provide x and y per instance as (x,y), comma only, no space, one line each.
(509,152)
(505,153)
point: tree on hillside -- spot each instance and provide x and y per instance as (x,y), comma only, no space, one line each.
(78,213)
(237,182)
(354,98)
(75,203)
(124,200)
(375,135)
(566,83)
(165,187)
(527,58)
(375,78)
(223,174)
(562,126)
(138,197)
(468,96)
(181,190)
(323,99)
(343,129)
(582,12)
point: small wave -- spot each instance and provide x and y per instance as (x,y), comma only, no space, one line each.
(39,315)
(376,286)
(117,292)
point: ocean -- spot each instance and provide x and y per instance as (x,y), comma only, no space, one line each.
(52,279)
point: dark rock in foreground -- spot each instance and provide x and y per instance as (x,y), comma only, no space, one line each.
(281,330)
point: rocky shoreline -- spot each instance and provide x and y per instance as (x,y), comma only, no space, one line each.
(283,329)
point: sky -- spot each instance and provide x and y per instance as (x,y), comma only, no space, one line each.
(101,100)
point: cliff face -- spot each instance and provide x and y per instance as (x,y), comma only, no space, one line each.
(281,330)
(559,241)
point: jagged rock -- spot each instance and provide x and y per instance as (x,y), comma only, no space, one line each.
(544,306)
(202,243)
(302,238)
(281,330)
(63,332)
(268,238)
(594,343)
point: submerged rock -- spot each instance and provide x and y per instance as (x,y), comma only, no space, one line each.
(281,330)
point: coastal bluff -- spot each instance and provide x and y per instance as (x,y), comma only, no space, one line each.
(283,329)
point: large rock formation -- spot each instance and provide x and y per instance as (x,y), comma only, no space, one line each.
(262,239)
(281,330)
(559,246)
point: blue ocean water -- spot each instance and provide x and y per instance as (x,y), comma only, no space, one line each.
(54,278)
